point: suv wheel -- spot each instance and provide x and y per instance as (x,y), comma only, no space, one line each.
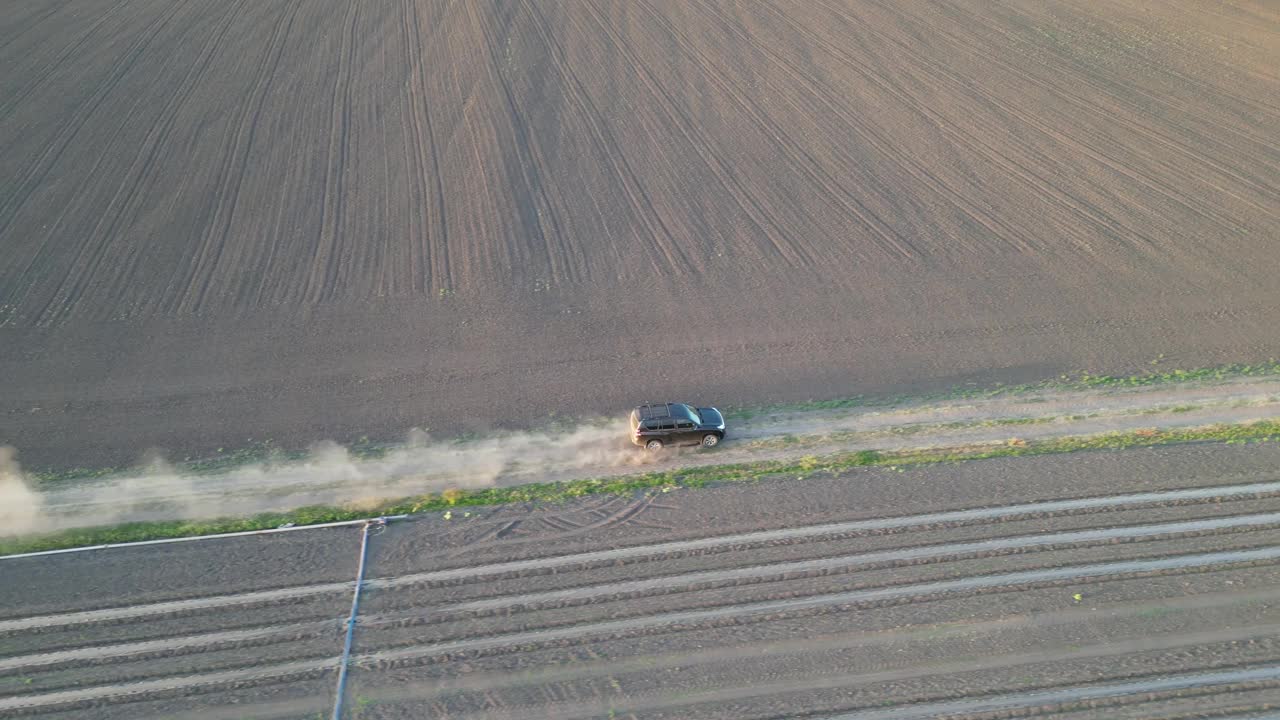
(653,445)
(710,440)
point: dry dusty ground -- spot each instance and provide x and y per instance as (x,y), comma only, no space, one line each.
(331,475)
(306,219)
(1104,585)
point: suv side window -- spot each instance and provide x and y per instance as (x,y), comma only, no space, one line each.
(684,425)
(666,426)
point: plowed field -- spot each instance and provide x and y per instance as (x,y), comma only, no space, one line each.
(1134,584)
(224,220)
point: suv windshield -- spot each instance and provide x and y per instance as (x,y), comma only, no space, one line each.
(693,415)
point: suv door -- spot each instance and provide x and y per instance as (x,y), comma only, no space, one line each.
(686,432)
(665,430)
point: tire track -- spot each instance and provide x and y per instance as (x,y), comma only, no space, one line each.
(429,245)
(640,204)
(322,276)
(143,163)
(1085,106)
(54,149)
(1142,130)
(421,258)
(490,144)
(129,194)
(441,266)
(1036,182)
(918,171)
(802,160)
(238,163)
(767,226)
(25,185)
(531,197)
(188,294)
(606,518)
(1256,105)
(73,50)
(16,27)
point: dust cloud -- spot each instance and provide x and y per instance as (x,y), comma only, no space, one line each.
(20,506)
(330,474)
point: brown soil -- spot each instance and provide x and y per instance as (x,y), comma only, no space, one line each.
(224,221)
(1092,585)
(331,475)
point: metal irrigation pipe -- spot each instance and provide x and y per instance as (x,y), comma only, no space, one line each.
(351,620)
(165,541)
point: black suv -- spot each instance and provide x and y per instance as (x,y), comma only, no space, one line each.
(656,425)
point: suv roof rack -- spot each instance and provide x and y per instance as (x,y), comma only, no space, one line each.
(654,410)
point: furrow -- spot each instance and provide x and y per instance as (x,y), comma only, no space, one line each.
(175,606)
(663,550)
(162,647)
(946,518)
(130,692)
(1048,698)
(914,592)
(693,656)
(847,563)
(758,691)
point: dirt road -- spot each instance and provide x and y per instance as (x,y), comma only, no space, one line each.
(1139,583)
(225,222)
(332,476)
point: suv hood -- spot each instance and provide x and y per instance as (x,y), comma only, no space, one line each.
(711,417)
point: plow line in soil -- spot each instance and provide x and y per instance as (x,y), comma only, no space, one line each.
(741,579)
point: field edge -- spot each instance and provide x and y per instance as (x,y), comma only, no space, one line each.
(798,469)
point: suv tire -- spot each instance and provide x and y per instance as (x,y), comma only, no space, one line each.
(710,440)
(653,445)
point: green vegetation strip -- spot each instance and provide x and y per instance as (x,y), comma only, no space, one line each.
(1154,376)
(800,468)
